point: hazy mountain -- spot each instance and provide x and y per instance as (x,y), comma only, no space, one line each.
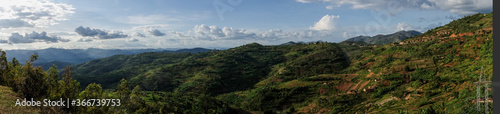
(292,43)
(385,39)
(194,50)
(75,56)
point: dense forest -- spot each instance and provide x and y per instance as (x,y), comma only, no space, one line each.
(429,73)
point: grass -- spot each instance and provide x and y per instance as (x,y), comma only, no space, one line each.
(8,100)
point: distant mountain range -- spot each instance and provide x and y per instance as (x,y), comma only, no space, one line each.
(56,56)
(386,39)
(369,40)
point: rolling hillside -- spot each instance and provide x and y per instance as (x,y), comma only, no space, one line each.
(240,67)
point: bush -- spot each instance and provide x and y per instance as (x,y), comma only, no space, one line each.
(394,76)
(423,102)
(424,74)
(371,60)
(399,93)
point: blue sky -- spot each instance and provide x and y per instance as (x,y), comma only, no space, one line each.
(134,24)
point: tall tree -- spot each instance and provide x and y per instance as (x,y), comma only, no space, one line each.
(70,87)
(52,81)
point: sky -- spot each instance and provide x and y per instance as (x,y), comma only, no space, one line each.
(141,24)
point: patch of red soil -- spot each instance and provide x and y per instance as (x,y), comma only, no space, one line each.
(449,65)
(344,86)
(363,85)
(355,86)
(370,75)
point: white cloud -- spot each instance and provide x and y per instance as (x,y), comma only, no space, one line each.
(462,7)
(34,37)
(328,22)
(425,6)
(404,26)
(214,32)
(32,13)
(153,29)
(346,35)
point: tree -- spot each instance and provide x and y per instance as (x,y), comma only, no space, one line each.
(32,80)
(34,57)
(93,91)
(15,62)
(123,92)
(137,104)
(52,81)
(4,67)
(71,87)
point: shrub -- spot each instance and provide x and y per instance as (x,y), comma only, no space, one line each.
(423,74)
(394,76)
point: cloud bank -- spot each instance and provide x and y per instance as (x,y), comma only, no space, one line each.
(101,34)
(16,38)
(205,32)
(32,13)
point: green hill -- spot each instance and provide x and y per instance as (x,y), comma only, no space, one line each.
(227,70)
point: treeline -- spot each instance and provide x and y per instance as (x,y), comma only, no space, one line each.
(34,82)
